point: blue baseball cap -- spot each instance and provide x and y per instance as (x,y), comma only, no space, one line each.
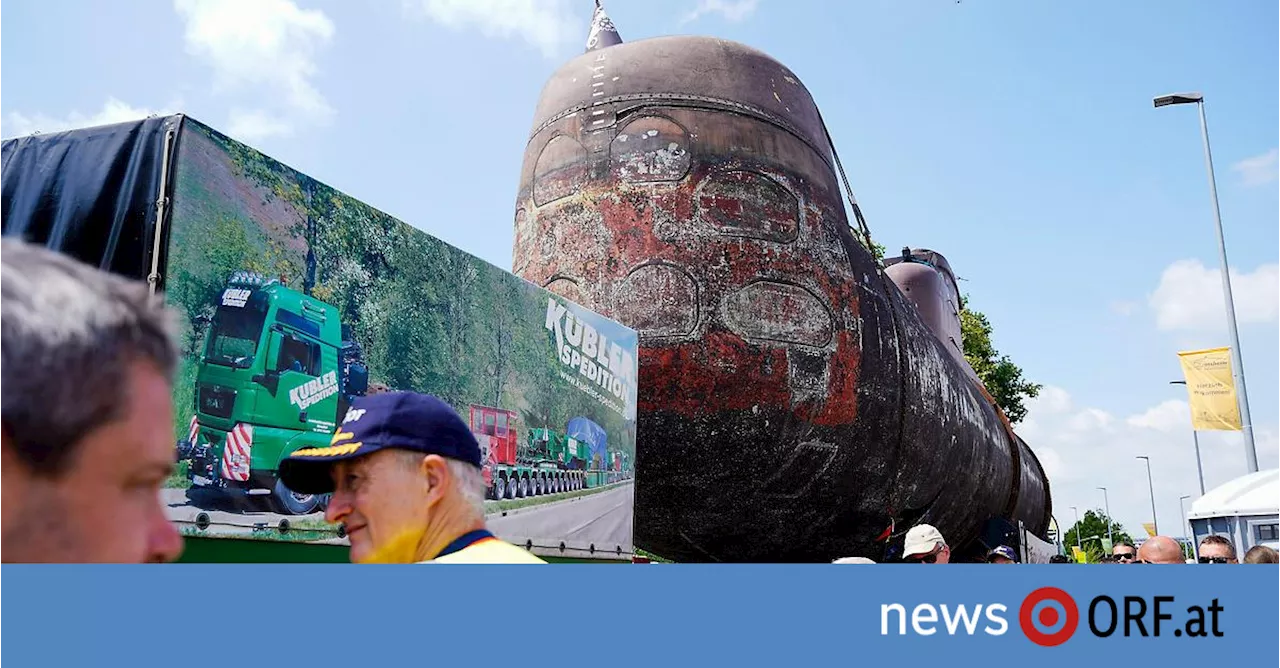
(1002,551)
(400,420)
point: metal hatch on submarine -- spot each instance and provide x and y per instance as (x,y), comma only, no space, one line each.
(799,401)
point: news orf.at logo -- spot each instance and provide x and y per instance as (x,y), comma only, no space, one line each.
(1049,617)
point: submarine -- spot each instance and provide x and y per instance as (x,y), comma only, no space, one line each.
(799,400)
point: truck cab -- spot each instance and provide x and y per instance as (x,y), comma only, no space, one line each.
(275,376)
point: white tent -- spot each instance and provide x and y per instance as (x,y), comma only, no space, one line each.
(1246,509)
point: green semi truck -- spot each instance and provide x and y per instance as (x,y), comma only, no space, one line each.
(276,374)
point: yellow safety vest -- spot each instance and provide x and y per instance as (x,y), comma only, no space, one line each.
(482,547)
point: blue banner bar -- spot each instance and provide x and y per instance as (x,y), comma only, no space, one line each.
(595,614)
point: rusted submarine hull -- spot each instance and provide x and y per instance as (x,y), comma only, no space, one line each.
(793,404)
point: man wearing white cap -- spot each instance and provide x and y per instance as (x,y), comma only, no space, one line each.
(925,545)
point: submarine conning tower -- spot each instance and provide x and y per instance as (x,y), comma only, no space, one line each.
(793,404)
(926,279)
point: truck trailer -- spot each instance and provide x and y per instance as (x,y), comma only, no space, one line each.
(293,299)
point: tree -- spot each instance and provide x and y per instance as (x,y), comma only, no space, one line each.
(1002,377)
(1092,528)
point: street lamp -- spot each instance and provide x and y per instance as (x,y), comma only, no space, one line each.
(1155,525)
(1107,505)
(1191,535)
(1237,364)
(1077,525)
(1195,438)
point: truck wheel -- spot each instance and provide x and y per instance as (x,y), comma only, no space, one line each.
(288,502)
(498,489)
(513,488)
(524,487)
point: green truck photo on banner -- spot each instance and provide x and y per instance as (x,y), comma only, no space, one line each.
(295,299)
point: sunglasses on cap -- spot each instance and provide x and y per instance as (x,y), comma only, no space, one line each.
(1213,560)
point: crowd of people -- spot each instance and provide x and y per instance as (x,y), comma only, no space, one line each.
(87,443)
(924,544)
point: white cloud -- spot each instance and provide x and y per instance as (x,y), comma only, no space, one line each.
(732,10)
(1260,169)
(1190,296)
(264,47)
(113,111)
(1083,448)
(1170,416)
(547,25)
(252,125)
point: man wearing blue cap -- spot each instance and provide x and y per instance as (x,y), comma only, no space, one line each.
(404,471)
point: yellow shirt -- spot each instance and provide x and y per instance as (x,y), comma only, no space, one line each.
(482,547)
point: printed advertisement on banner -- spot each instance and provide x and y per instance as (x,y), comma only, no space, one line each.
(1211,389)
(296,299)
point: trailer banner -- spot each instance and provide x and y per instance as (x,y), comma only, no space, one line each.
(295,299)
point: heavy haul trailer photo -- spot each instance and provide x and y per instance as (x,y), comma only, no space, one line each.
(522,462)
(292,300)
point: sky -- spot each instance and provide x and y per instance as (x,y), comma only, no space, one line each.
(1018,139)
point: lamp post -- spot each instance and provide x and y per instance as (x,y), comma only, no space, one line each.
(1195,438)
(1077,525)
(1107,506)
(1155,525)
(1191,537)
(1237,363)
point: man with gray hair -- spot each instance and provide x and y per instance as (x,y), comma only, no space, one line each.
(404,472)
(87,433)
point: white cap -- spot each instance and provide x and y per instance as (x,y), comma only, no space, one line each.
(853,560)
(921,539)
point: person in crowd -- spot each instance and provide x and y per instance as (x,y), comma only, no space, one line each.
(1124,553)
(924,544)
(404,472)
(86,438)
(1002,554)
(853,560)
(1160,550)
(1217,549)
(1261,554)
(1060,559)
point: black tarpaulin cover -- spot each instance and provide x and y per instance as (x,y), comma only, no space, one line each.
(89,193)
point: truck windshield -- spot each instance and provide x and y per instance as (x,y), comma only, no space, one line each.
(236,330)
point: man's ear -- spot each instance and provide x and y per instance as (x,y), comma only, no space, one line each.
(436,472)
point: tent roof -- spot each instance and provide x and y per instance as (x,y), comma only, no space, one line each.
(1252,494)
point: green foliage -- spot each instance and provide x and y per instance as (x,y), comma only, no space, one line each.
(1091,529)
(1002,377)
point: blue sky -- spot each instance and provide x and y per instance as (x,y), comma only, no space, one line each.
(1016,138)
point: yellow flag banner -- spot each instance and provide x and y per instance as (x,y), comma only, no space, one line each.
(1150,528)
(1211,389)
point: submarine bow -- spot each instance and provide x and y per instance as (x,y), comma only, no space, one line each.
(794,405)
